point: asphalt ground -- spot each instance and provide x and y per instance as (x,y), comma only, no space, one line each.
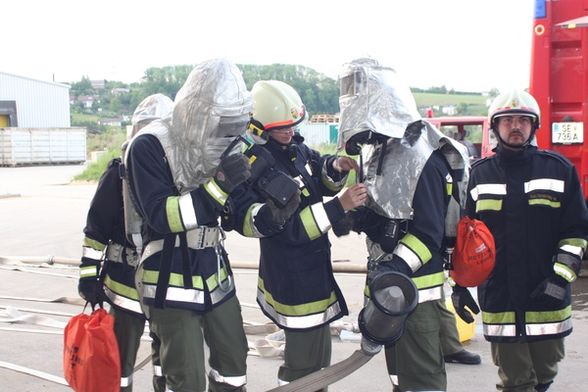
(42,214)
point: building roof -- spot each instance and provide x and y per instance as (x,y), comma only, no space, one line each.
(65,85)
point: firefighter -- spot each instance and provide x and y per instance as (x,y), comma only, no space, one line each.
(180,173)
(413,190)
(105,239)
(296,286)
(532,202)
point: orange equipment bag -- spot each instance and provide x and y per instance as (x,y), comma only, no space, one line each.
(474,254)
(91,361)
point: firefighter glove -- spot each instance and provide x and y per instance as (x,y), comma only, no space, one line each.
(232,170)
(461,297)
(279,216)
(553,289)
(90,289)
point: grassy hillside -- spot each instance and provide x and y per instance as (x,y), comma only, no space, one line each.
(466,104)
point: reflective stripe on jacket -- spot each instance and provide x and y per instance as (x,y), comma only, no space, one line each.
(533,205)
(296,286)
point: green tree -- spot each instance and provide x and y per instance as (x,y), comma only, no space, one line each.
(83,87)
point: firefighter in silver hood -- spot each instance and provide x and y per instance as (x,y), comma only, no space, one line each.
(180,174)
(414,176)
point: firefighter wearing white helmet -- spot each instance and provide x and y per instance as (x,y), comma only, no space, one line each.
(531,201)
(114,280)
(296,287)
(515,106)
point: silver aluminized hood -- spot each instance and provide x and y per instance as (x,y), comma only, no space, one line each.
(210,110)
(373,98)
(391,192)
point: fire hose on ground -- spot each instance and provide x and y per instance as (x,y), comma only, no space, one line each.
(381,322)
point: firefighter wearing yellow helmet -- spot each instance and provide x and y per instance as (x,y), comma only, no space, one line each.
(296,287)
(532,202)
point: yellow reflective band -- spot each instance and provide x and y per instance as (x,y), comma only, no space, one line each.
(305,192)
(498,318)
(310,226)
(216,192)
(121,289)
(488,205)
(175,279)
(249,229)
(417,246)
(89,271)
(544,202)
(172,211)
(549,317)
(90,243)
(449,184)
(212,281)
(427,281)
(297,310)
(320,217)
(565,272)
(252,159)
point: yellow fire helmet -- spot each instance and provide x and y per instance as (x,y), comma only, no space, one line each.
(276,105)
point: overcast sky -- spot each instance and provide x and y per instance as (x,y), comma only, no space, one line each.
(472,45)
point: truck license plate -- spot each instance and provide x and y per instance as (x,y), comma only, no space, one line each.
(567,132)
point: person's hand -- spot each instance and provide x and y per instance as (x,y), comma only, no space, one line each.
(278,215)
(90,289)
(553,289)
(353,197)
(232,170)
(344,164)
(461,297)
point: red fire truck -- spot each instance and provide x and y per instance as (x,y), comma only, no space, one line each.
(559,79)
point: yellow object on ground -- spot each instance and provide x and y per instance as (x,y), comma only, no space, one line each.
(466,331)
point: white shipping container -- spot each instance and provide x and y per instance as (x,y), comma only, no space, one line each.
(27,146)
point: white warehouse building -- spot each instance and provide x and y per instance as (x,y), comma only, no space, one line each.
(35,126)
(30,103)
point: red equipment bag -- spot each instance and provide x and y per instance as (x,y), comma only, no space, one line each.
(474,254)
(91,361)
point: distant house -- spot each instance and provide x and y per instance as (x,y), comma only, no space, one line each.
(86,100)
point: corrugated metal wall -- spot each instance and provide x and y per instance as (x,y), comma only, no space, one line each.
(39,104)
(23,146)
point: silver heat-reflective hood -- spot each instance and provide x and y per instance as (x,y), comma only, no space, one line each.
(373,98)
(391,192)
(210,110)
(375,101)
